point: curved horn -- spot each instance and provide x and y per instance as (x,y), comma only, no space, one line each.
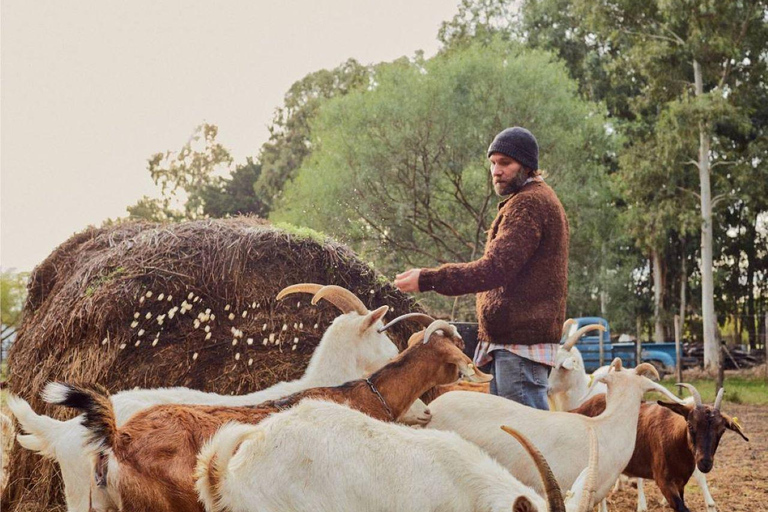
(299,288)
(566,326)
(719,399)
(590,489)
(693,391)
(437,325)
(645,369)
(616,365)
(552,490)
(342,298)
(423,319)
(664,391)
(571,341)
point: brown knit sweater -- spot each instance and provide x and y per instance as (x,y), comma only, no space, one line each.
(521,281)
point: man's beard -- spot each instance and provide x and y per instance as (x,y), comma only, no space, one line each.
(513,186)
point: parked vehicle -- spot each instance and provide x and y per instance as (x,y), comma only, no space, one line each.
(660,355)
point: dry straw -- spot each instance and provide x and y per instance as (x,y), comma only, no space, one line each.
(149,305)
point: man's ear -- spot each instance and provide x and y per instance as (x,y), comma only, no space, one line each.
(682,410)
(373,317)
(733,424)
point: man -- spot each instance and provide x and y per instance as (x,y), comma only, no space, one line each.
(521,280)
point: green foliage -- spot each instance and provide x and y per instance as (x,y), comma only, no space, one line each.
(13,293)
(183,177)
(235,195)
(399,170)
(478,22)
(289,141)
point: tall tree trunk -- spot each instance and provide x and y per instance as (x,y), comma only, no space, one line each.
(751,251)
(683,288)
(711,348)
(603,292)
(658,297)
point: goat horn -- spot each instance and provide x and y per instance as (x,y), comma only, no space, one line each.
(664,391)
(552,489)
(719,399)
(299,288)
(437,325)
(616,365)
(570,342)
(342,298)
(590,489)
(693,391)
(423,319)
(567,325)
(645,369)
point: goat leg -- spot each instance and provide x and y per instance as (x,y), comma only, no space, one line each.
(701,479)
(673,491)
(642,504)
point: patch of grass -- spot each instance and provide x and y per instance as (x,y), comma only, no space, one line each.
(302,232)
(738,390)
(94,285)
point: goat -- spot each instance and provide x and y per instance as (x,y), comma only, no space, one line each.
(351,347)
(325,456)
(569,384)
(148,462)
(673,441)
(559,435)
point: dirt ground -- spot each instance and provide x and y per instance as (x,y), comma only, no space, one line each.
(739,479)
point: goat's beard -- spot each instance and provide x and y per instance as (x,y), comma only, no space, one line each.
(512,186)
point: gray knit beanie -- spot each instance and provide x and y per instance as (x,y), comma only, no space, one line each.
(517,143)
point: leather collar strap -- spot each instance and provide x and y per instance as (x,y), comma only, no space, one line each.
(381,398)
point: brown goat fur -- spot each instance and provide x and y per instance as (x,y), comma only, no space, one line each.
(671,441)
(156,450)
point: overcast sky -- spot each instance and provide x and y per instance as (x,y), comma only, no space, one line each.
(90,89)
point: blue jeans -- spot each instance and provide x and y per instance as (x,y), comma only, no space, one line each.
(519,379)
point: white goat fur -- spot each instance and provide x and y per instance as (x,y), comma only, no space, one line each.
(560,436)
(343,354)
(325,456)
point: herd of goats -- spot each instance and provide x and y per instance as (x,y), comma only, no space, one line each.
(353,435)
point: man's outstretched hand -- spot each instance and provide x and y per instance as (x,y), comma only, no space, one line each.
(408,281)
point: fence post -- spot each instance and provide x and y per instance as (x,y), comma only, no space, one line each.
(678,355)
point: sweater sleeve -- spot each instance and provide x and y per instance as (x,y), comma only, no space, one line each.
(518,236)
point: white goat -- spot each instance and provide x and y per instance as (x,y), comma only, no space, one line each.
(350,348)
(569,384)
(326,456)
(559,435)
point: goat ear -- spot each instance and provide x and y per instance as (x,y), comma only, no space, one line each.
(35,444)
(682,410)
(523,504)
(373,317)
(733,424)
(569,363)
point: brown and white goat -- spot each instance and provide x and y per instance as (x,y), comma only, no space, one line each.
(673,440)
(148,463)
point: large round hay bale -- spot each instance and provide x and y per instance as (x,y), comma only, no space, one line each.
(190,304)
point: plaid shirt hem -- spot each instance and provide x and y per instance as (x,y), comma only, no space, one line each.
(542,353)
